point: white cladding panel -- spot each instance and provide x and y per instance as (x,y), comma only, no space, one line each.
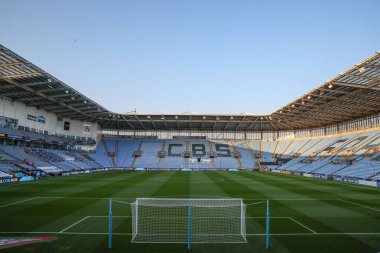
(19,111)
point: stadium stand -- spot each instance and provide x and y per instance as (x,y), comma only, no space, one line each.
(224,158)
(267,151)
(4,175)
(332,131)
(101,157)
(174,159)
(126,149)
(149,158)
(347,155)
(351,155)
(247,158)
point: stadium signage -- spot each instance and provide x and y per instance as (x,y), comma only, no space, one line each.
(5,181)
(12,242)
(14,180)
(14,137)
(369,183)
(31,117)
(39,118)
(87,128)
(198,150)
(83,172)
(8,122)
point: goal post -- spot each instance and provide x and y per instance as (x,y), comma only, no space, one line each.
(188,221)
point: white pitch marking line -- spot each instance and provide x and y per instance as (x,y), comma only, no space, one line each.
(255,203)
(122,202)
(18,202)
(116,198)
(294,199)
(73,225)
(263,200)
(349,233)
(299,223)
(105,216)
(47,197)
(353,203)
(274,234)
(289,234)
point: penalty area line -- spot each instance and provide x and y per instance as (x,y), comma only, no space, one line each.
(353,203)
(73,225)
(18,202)
(304,226)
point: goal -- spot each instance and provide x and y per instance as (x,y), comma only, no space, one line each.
(169,220)
(189,167)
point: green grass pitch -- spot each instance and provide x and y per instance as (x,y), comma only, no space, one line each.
(307,215)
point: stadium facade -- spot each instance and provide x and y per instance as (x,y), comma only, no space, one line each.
(47,127)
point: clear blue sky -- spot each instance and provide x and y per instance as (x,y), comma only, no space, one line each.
(164,56)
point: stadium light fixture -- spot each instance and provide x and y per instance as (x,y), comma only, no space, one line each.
(231,118)
(85,101)
(293,105)
(148,117)
(330,86)
(362,69)
(303,102)
(67,91)
(162,117)
(280,111)
(72,98)
(204,117)
(309,97)
(176,117)
(49,80)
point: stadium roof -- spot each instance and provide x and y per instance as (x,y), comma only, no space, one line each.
(355,93)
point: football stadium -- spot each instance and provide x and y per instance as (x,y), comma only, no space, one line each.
(78,177)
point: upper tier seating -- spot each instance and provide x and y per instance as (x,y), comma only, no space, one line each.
(44,137)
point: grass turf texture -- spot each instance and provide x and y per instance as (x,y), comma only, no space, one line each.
(307,215)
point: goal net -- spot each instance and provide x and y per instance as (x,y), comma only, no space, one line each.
(158,220)
(189,167)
